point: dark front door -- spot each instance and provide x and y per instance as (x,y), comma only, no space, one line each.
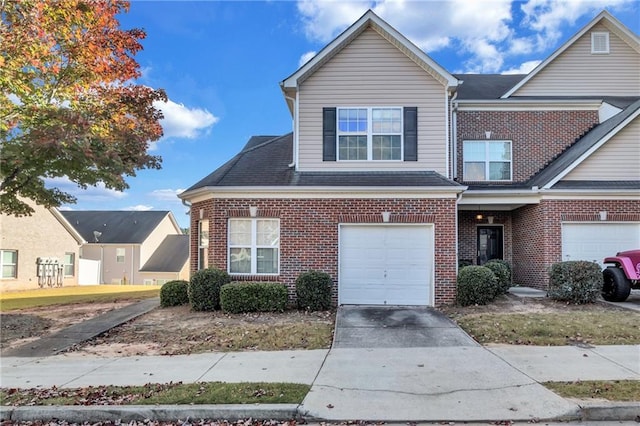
(489,243)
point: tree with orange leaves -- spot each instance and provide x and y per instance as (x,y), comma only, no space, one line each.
(69,105)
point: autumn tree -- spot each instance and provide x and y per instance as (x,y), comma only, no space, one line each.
(69,105)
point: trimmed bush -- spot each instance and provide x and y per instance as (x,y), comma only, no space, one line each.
(174,293)
(505,263)
(204,289)
(477,285)
(575,281)
(240,297)
(501,271)
(313,290)
(464,262)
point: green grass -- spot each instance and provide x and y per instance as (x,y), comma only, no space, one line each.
(612,390)
(172,393)
(81,294)
(556,329)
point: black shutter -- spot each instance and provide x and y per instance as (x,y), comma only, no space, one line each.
(329,134)
(410,133)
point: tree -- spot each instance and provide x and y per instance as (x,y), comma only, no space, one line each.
(68,102)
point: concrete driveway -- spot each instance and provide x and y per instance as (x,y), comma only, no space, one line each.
(396,327)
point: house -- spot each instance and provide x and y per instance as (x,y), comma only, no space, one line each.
(133,247)
(397,170)
(41,250)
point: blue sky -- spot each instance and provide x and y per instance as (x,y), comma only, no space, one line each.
(221,63)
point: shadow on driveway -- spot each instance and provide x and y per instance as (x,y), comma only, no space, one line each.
(396,327)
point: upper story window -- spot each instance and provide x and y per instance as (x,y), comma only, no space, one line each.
(9,263)
(254,246)
(69,264)
(599,42)
(120,253)
(370,134)
(487,161)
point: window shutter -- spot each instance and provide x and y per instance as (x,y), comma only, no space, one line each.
(329,134)
(410,133)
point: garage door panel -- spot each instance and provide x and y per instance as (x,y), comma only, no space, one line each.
(595,241)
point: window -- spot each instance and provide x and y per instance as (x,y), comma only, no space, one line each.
(203,244)
(9,263)
(120,255)
(69,264)
(599,42)
(487,160)
(370,134)
(254,246)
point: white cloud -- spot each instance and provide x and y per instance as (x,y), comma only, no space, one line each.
(183,122)
(524,68)
(138,208)
(92,193)
(166,194)
(306,57)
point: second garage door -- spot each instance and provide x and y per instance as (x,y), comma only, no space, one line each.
(386,265)
(595,241)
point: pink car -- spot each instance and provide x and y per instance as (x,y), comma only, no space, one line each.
(621,274)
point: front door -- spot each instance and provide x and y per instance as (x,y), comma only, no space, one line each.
(489,243)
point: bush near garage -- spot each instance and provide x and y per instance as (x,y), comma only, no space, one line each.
(575,281)
(239,297)
(313,291)
(174,293)
(477,285)
(204,289)
(502,273)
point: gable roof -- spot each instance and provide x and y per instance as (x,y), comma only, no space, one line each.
(584,147)
(170,256)
(116,227)
(370,20)
(606,18)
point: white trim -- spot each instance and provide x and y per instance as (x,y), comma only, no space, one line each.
(591,150)
(487,161)
(296,133)
(253,248)
(605,38)
(529,105)
(447,171)
(616,26)
(15,265)
(618,195)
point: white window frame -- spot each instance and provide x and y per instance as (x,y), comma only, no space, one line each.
(253,248)
(120,258)
(2,265)
(203,245)
(369,133)
(72,264)
(486,161)
(595,36)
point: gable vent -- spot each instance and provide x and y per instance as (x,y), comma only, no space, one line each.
(599,42)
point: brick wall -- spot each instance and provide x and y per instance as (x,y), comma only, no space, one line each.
(537,136)
(468,234)
(309,233)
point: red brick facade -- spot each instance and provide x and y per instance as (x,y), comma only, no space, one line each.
(537,136)
(309,233)
(468,234)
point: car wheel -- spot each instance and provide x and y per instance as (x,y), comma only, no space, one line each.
(616,287)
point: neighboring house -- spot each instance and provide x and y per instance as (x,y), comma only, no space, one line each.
(133,247)
(41,250)
(396,170)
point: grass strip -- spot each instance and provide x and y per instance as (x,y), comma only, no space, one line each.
(80,294)
(612,390)
(555,329)
(151,394)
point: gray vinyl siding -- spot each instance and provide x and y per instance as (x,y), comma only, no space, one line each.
(577,72)
(372,72)
(617,159)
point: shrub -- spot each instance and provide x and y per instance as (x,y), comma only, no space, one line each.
(505,263)
(575,281)
(174,293)
(253,297)
(313,290)
(477,285)
(204,289)
(464,262)
(501,271)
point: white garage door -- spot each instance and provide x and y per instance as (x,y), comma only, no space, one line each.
(595,241)
(386,265)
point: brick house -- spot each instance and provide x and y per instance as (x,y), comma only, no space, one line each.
(396,170)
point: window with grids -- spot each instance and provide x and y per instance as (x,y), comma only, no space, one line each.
(9,263)
(487,161)
(370,134)
(69,264)
(254,246)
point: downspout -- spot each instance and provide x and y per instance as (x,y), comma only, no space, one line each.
(294,101)
(133,271)
(454,134)
(188,204)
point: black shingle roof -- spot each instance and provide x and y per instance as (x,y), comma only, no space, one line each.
(486,86)
(170,256)
(116,227)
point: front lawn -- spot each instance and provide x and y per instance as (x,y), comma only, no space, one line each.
(612,390)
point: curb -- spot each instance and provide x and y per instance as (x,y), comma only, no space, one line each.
(588,411)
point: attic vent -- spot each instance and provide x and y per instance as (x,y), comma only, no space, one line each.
(599,42)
